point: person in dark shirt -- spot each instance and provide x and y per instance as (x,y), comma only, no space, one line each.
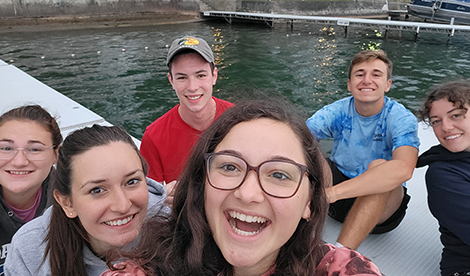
(29,142)
(448,174)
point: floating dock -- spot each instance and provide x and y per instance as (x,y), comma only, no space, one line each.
(345,22)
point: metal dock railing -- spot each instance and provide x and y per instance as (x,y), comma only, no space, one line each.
(345,22)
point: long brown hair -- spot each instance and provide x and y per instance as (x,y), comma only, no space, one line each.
(183,244)
(66,237)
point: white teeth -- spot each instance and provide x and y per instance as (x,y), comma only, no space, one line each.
(243,233)
(18,172)
(366,90)
(453,136)
(194,98)
(119,222)
(246,218)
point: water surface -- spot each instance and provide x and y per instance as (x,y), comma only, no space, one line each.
(120,73)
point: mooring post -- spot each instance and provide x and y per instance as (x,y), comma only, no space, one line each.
(417,32)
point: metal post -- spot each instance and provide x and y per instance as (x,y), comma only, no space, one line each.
(417,32)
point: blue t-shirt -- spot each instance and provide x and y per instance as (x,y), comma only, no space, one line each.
(359,140)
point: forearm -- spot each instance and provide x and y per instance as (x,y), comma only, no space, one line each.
(381,178)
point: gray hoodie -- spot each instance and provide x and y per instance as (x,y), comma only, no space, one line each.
(28,246)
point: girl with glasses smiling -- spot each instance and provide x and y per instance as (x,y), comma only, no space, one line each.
(250,201)
(29,141)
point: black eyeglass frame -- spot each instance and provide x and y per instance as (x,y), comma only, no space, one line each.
(303,170)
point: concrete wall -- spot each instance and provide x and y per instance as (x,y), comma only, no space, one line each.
(44,8)
(38,8)
(222,5)
(342,8)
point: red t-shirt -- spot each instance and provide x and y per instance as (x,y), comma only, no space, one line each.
(167,143)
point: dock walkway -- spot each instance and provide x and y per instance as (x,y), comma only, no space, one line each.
(345,22)
(411,249)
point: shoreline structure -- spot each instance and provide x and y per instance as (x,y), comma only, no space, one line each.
(39,15)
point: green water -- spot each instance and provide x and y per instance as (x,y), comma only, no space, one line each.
(308,64)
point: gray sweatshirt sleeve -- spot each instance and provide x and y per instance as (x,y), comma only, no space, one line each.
(26,250)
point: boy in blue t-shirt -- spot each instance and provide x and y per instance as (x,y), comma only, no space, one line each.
(374,152)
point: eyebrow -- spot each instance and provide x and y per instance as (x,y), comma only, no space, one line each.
(98,181)
(275,157)
(374,70)
(29,142)
(450,111)
(197,72)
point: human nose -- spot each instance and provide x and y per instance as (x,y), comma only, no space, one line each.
(447,124)
(250,190)
(367,79)
(19,159)
(193,84)
(121,202)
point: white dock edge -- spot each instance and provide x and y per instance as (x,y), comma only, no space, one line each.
(413,248)
(19,88)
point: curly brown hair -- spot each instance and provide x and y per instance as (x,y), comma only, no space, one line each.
(456,92)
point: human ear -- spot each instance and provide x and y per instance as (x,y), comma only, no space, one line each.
(65,203)
(214,76)
(307,212)
(170,79)
(389,84)
(56,154)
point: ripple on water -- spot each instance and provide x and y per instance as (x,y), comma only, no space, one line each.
(308,64)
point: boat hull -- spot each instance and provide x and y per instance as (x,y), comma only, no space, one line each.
(441,10)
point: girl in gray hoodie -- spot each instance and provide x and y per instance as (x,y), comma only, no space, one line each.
(102,196)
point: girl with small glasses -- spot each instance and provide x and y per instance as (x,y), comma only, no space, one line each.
(29,142)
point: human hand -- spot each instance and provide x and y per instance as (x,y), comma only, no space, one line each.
(170,192)
(330,195)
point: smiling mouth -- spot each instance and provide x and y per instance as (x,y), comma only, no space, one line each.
(194,97)
(19,172)
(367,90)
(120,222)
(455,136)
(246,225)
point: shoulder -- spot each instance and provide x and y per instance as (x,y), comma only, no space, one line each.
(344,261)
(157,195)
(395,108)
(163,120)
(94,265)
(336,109)
(27,248)
(341,103)
(222,105)
(34,231)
